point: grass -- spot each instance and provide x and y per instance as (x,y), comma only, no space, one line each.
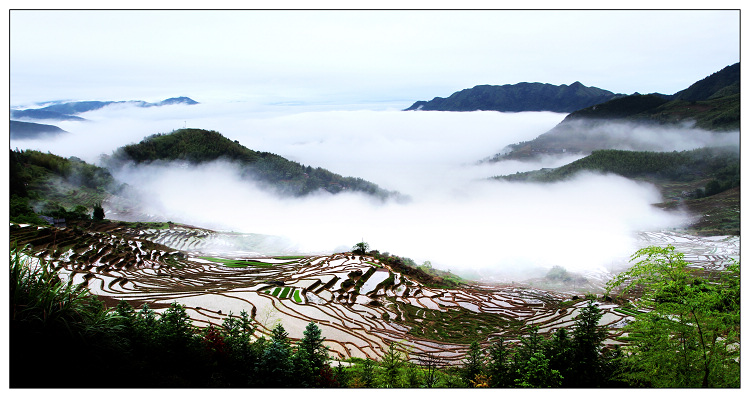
(238,263)
(284,293)
(297,297)
(145,225)
(627,311)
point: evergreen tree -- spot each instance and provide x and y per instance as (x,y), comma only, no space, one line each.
(499,365)
(276,367)
(473,363)
(98,211)
(391,363)
(587,341)
(311,358)
(559,351)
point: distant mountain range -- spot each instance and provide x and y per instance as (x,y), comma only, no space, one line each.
(711,104)
(519,97)
(68,110)
(27,130)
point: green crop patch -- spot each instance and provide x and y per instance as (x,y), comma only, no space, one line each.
(238,263)
(284,293)
(297,297)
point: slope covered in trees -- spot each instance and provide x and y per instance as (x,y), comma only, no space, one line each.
(717,163)
(50,185)
(197,146)
(519,97)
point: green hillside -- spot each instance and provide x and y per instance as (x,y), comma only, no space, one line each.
(198,146)
(50,185)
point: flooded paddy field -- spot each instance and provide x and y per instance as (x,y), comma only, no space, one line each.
(360,304)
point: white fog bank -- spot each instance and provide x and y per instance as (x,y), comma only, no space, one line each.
(584,224)
(455,219)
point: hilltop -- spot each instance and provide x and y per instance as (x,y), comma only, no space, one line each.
(197,146)
(518,97)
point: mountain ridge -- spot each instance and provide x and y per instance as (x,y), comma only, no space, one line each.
(712,104)
(519,97)
(68,110)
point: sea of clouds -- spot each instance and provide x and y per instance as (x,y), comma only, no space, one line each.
(455,217)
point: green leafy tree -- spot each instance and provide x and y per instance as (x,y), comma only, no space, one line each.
(688,335)
(361,248)
(531,365)
(536,372)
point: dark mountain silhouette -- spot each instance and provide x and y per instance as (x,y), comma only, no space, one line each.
(519,98)
(27,130)
(712,104)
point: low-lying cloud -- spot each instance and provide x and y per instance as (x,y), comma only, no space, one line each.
(489,226)
(635,136)
(456,218)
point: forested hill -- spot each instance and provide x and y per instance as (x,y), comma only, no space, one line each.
(519,98)
(699,164)
(198,146)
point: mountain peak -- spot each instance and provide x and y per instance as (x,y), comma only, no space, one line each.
(519,97)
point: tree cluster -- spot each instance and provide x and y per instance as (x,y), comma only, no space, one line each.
(687,328)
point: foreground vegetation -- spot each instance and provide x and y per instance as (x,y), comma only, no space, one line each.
(62,336)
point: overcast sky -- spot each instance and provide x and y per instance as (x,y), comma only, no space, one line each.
(363,57)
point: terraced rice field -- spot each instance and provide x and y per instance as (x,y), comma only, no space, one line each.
(360,305)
